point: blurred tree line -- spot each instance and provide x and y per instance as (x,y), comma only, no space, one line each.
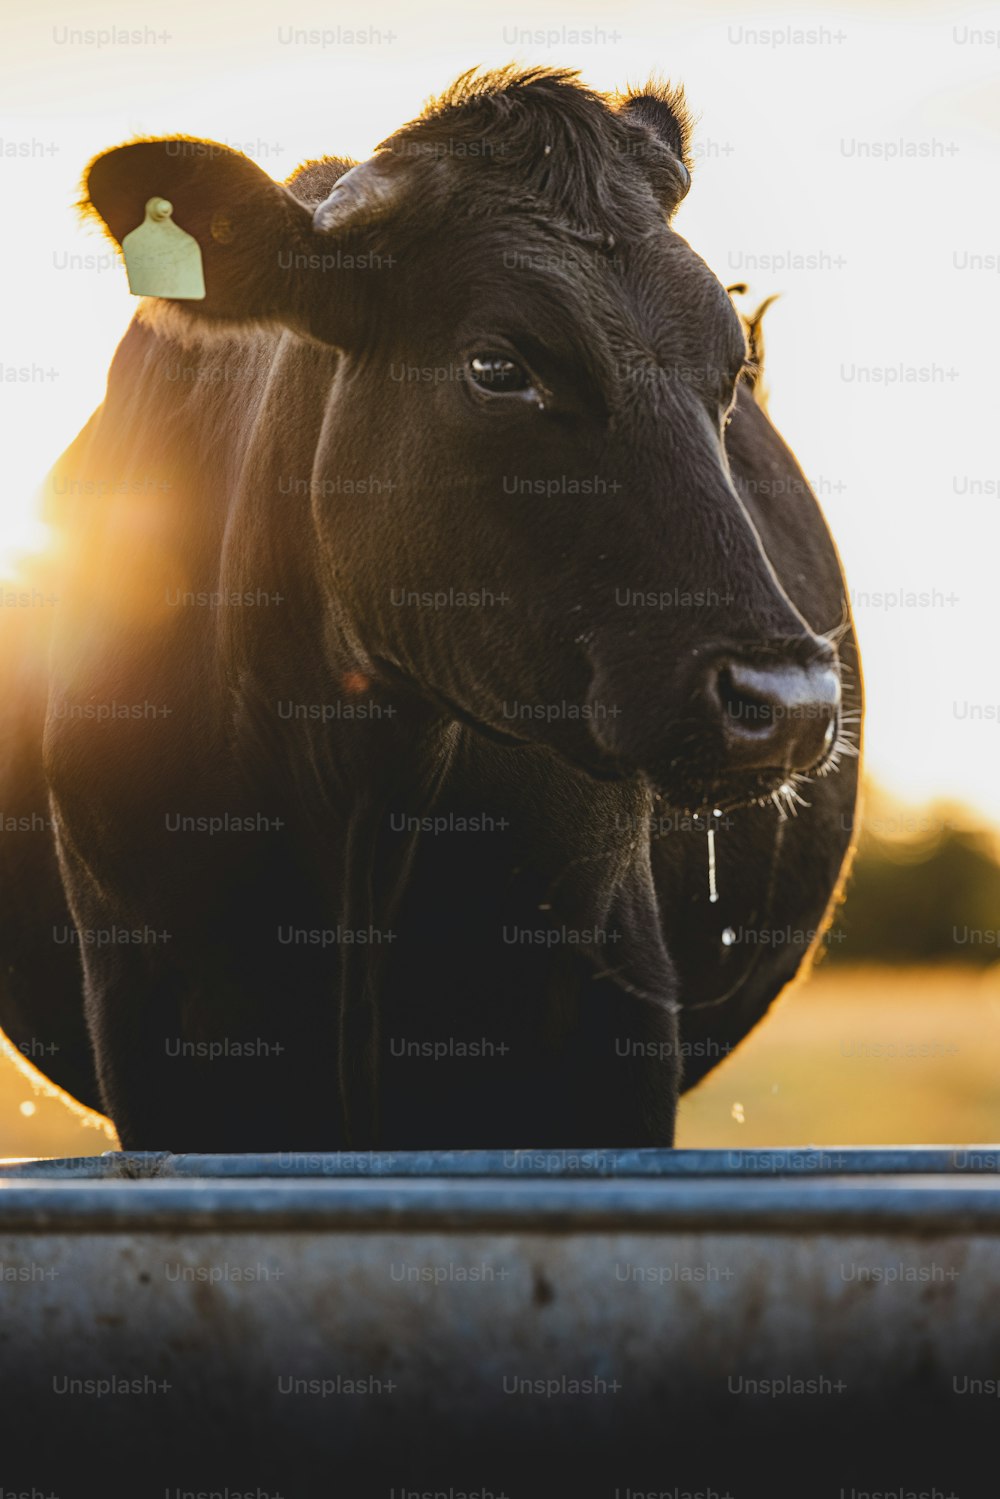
(925,887)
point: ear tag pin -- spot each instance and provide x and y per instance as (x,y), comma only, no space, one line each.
(161,260)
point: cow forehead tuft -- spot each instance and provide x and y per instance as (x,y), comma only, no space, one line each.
(540,135)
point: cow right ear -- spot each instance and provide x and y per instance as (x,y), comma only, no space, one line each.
(662,111)
(264,255)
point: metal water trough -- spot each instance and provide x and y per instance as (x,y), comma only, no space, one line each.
(455,1322)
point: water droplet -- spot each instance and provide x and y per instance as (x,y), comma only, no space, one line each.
(713,891)
(27,1108)
(728,937)
(737,1113)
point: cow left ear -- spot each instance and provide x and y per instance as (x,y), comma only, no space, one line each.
(263,258)
(662,111)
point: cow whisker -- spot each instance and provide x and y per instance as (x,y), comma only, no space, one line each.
(838,633)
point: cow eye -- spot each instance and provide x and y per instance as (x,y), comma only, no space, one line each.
(498,374)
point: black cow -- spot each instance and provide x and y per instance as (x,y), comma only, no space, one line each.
(426,593)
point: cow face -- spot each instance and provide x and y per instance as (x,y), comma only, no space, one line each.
(539,370)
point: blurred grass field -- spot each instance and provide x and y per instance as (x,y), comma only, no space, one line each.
(862,1056)
(848,1056)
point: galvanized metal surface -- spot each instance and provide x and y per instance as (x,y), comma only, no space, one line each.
(917,1205)
(922,1191)
(802,1161)
(350,1317)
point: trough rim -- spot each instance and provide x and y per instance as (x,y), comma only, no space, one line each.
(550,1163)
(899,1191)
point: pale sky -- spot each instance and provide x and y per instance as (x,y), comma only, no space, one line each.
(853,170)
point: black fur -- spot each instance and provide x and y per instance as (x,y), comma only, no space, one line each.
(308,442)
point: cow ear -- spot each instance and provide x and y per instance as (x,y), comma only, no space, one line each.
(262,257)
(662,112)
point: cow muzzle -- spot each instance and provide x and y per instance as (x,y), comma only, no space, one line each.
(730,729)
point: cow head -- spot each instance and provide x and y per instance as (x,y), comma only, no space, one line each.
(540,368)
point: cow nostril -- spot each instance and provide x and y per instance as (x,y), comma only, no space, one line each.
(751,709)
(780,717)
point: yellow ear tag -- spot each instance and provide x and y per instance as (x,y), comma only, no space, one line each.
(161,260)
